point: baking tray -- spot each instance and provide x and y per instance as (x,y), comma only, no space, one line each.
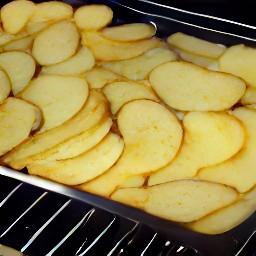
(147,234)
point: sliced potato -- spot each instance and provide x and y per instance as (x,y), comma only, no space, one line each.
(17,118)
(250,96)
(210,138)
(239,171)
(227,218)
(185,86)
(98,77)
(56,43)
(90,114)
(134,182)
(52,11)
(33,28)
(240,60)
(93,17)
(7,37)
(182,200)
(252,106)
(5,85)
(119,93)
(129,32)
(152,137)
(83,167)
(139,67)
(22,44)
(20,67)
(16,14)
(59,97)
(196,45)
(83,60)
(107,50)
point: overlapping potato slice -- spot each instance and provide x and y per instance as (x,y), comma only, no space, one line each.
(20,67)
(138,68)
(17,118)
(134,182)
(5,85)
(152,137)
(7,37)
(227,218)
(129,32)
(90,114)
(107,50)
(98,77)
(23,44)
(209,138)
(119,93)
(182,200)
(93,17)
(56,43)
(16,14)
(249,97)
(240,60)
(239,171)
(83,167)
(83,60)
(185,86)
(59,97)
(196,45)
(33,28)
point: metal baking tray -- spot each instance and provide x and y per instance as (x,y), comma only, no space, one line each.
(40,217)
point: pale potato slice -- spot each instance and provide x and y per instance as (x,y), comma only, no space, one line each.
(119,93)
(56,43)
(138,68)
(5,85)
(74,146)
(93,17)
(7,251)
(249,97)
(129,32)
(98,77)
(52,11)
(59,97)
(239,171)
(214,66)
(134,182)
(252,106)
(107,50)
(182,200)
(240,60)
(16,14)
(7,37)
(20,67)
(210,138)
(227,218)
(152,137)
(90,114)
(83,60)
(23,44)
(196,45)
(185,86)
(17,118)
(33,28)
(83,167)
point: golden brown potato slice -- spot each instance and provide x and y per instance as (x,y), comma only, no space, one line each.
(59,97)
(119,93)
(107,50)
(249,97)
(83,60)
(98,77)
(23,44)
(17,118)
(5,85)
(185,86)
(152,137)
(85,166)
(52,11)
(138,68)
(16,14)
(239,171)
(90,114)
(93,17)
(20,67)
(181,200)
(56,43)
(210,138)
(240,60)
(129,32)
(196,45)
(228,217)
